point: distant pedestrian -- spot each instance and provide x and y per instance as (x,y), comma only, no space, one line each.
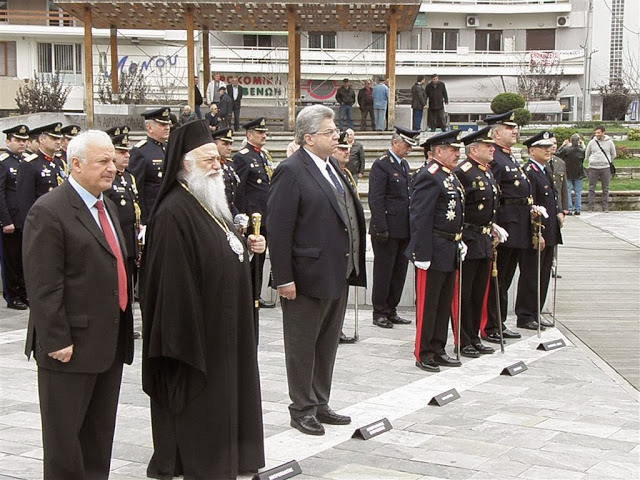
(380,102)
(365,101)
(600,154)
(187,115)
(346,97)
(213,89)
(438,98)
(235,92)
(212,117)
(198,98)
(225,108)
(418,101)
(572,152)
(356,156)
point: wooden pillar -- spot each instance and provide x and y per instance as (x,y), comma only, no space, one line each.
(88,69)
(293,79)
(113,38)
(392,36)
(206,62)
(191,51)
(298,63)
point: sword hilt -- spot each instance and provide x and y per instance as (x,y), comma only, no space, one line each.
(256,220)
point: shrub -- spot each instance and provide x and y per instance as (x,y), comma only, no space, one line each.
(622,152)
(503,102)
(634,134)
(522,116)
(43,93)
(562,133)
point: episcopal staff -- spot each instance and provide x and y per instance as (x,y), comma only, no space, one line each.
(436,216)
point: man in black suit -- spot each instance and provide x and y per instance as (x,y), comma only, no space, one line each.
(225,108)
(235,92)
(317,245)
(80,325)
(389,186)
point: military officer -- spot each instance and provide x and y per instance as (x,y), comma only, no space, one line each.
(147,158)
(513,214)
(41,173)
(544,194)
(10,159)
(389,185)
(480,202)
(223,139)
(254,169)
(68,132)
(436,216)
(32,144)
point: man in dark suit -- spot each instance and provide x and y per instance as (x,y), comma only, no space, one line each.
(317,245)
(80,325)
(235,92)
(418,102)
(389,186)
(225,108)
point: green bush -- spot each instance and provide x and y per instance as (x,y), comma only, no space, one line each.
(504,102)
(522,116)
(593,124)
(634,134)
(622,152)
(562,133)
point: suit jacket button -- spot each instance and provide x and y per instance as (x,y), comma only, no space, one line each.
(346,254)
(115,293)
(116,320)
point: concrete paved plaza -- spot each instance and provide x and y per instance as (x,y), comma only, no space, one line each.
(573,414)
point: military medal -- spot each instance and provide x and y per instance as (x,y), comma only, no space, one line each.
(123,202)
(451,215)
(517,183)
(160,174)
(480,206)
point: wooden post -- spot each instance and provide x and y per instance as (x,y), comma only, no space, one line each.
(88,68)
(191,71)
(113,38)
(294,55)
(298,63)
(206,62)
(392,36)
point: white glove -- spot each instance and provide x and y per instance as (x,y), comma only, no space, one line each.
(463,250)
(540,210)
(500,232)
(241,220)
(422,265)
(141,233)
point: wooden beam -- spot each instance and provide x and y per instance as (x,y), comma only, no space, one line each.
(392,36)
(88,68)
(298,63)
(206,62)
(191,51)
(113,38)
(294,53)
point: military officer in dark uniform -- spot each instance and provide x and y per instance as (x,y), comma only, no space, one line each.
(254,170)
(124,194)
(68,132)
(436,215)
(480,202)
(513,214)
(42,173)
(147,158)
(544,194)
(10,159)
(223,139)
(389,185)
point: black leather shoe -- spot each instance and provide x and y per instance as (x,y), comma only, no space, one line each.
(506,333)
(345,339)
(446,361)
(483,349)
(332,418)
(308,424)
(25,300)
(395,319)
(428,366)
(546,323)
(17,305)
(494,338)
(469,351)
(531,325)
(382,322)
(264,304)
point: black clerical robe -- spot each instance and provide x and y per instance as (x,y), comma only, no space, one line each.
(199,363)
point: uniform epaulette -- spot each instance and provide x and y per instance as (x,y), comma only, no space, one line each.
(466,166)
(3,156)
(28,158)
(433,168)
(140,143)
(530,166)
(243,151)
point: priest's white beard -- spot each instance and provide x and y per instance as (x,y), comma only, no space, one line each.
(208,188)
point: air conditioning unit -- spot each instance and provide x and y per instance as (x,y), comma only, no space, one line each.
(473,21)
(562,21)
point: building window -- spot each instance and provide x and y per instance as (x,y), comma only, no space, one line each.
(488,40)
(322,41)
(257,40)
(8,59)
(379,41)
(63,58)
(541,39)
(444,40)
(57,16)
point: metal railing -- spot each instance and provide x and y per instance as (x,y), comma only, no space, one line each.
(494,2)
(38,17)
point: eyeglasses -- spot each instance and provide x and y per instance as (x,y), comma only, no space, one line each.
(329,132)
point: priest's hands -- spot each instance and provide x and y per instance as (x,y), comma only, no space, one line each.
(63,355)
(257,244)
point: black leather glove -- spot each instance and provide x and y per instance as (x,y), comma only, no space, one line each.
(382,237)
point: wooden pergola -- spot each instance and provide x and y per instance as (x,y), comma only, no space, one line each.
(391,16)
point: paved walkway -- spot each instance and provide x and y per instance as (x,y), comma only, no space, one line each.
(569,416)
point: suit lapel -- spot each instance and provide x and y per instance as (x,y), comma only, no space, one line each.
(322,182)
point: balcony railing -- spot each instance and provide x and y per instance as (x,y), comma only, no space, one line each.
(38,17)
(494,2)
(275,60)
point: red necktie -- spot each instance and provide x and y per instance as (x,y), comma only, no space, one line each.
(113,244)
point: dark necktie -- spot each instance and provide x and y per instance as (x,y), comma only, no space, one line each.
(336,182)
(115,248)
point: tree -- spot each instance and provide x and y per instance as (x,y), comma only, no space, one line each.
(43,93)
(615,100)
(505,102)
(132,88)
(541,77)
(522,116)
